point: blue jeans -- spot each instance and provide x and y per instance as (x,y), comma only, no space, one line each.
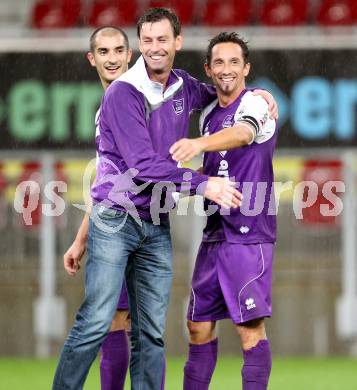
(117,244)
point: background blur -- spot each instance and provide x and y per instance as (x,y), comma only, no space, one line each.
(303,51)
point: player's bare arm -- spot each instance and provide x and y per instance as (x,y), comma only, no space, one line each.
(226,139)
(72,258)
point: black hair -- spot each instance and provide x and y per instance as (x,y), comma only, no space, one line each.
(228,37)
(157,14)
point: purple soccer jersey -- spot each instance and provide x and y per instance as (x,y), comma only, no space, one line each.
(139,121)
(233,270)
(250,166)
(231,281)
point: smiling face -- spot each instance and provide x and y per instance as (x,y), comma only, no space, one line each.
(227,69)
(158,46)
(110,56)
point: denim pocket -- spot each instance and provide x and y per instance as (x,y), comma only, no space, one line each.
(108,220)
(104,212)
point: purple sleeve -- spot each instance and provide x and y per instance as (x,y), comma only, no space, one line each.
(200,94)
(123,112)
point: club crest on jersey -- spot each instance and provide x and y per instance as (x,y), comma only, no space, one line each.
(228,121)
(178,106)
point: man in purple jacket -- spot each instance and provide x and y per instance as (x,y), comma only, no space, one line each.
(142,114)
(233,270)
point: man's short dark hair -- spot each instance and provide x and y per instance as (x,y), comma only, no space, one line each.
(153,15)
(227,37)
(110,29)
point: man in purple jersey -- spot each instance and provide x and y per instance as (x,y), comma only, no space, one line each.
(142,114)
(110,54)
(233,270)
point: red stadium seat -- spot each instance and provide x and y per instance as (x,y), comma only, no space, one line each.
(337,12)
(284,12)
(32,171)
(184,8)
(112,12)
(320,171)
(228,12)
(56,13)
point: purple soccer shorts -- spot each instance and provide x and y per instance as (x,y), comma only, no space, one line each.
(231,281)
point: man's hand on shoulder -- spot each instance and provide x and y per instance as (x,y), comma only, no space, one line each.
(269,98)
(186,149)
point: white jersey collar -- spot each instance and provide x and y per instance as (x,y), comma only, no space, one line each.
(153,91)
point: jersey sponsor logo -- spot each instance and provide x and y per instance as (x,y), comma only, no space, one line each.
(223,153)
(249,302)
(178,106)
(244,229)
(223,167)
(228,121)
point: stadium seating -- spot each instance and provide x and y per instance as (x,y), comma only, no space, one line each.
(112,12)
(337,12)
(94,13)
(56,13)
(284,12)
(227,13)
(184,8)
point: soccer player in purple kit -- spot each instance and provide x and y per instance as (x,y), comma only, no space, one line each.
(110,54)
(233,270)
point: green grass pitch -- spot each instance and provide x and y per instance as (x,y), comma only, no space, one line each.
(287,374)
